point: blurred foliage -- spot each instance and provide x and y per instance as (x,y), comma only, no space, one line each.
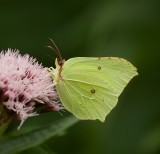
(128,29)
(34,138)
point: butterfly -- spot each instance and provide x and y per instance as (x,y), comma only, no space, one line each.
(89,87)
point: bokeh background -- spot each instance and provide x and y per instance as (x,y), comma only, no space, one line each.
(128,29)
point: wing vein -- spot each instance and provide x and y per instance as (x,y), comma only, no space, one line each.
(87,97)
(81,96)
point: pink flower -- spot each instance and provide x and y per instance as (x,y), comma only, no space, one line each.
(24,85)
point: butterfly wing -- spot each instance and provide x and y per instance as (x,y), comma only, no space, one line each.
(90,87)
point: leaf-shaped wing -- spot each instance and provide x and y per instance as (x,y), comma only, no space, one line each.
(90,87)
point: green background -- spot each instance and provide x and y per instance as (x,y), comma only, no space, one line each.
(128,29)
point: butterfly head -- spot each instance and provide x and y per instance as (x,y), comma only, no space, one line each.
(56,73)
(60,62)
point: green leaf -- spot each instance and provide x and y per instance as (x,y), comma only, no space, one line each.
(38,150)
(36,137)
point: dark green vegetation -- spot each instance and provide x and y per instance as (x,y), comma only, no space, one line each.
(127,29)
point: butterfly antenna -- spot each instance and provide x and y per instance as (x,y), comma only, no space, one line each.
(55,49)
(50,47)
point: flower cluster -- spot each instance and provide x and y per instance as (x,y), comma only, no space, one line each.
(24,85)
